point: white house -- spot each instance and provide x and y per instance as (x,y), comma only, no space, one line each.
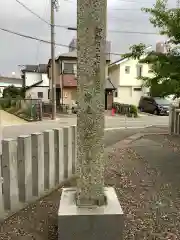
(36,82)
(123,74)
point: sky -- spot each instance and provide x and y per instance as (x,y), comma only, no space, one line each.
(122,15)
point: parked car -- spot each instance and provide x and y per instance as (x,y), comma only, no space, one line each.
(157,106)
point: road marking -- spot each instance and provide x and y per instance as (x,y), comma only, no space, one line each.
(132,127)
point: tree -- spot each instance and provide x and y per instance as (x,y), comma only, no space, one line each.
(13,92)
(165,67)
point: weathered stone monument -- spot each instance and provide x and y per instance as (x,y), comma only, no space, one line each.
(90,211)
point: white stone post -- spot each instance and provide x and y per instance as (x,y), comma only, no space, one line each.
(74,149)
(24,158)
(66,149)
(59,154)
(37,163)
(70,145)
(10,174)
(49,160)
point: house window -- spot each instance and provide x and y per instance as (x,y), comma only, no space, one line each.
(69,68)
(127,69)
(138,89)
(139,70)
(40,94)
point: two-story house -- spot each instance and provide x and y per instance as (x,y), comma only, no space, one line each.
(66,78)
(36,81)
(124,75)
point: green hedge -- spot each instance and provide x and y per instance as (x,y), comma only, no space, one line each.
(126,109)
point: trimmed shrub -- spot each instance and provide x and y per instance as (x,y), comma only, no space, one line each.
(125,109)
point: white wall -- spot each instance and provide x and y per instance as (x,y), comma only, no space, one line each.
(33,93)
(32,78)
(130,79)
(126,82)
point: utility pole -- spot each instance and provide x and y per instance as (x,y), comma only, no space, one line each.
(53,65)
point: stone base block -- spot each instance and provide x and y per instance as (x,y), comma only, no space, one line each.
(105,222)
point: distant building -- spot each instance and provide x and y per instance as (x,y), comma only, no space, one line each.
(36,81)
(8,81)
(124,75)
(161,47)
(66,78)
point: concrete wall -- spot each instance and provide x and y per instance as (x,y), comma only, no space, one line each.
(69,95)
(33,165)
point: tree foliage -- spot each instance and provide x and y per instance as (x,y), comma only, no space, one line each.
(13,92)
(165,67)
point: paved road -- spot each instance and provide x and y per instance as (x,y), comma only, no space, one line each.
(110,123)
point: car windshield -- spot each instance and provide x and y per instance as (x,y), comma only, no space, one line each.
(162,101)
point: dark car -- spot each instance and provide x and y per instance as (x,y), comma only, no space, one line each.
(157,106)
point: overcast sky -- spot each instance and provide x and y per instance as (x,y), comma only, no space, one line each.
(16,51)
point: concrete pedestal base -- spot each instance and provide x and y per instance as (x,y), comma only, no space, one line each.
(104,222)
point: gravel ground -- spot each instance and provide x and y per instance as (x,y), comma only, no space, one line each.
(150,202)
(148,191)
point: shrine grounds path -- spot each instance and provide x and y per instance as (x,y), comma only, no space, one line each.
(145,174)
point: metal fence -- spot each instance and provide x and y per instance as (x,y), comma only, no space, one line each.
(29,109)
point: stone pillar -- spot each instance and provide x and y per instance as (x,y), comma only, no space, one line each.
(24,168)
(37,143)
(90,211)
(59,154)
(10,176)
(49,160)
(91,37)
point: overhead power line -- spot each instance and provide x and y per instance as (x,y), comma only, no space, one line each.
(39,17)
(66,27)
(42,40)
(28,9)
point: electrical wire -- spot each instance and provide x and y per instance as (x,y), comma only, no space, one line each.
(66,27)
(39,17)
(42,40)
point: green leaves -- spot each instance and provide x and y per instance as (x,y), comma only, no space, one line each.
(165,67)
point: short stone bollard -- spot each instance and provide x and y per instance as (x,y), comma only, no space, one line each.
(37,143)
(24,158)
(59,155)
(9,172)
(49,159)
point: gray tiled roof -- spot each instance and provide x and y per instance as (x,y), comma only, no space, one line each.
(69,54)
(41,68)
